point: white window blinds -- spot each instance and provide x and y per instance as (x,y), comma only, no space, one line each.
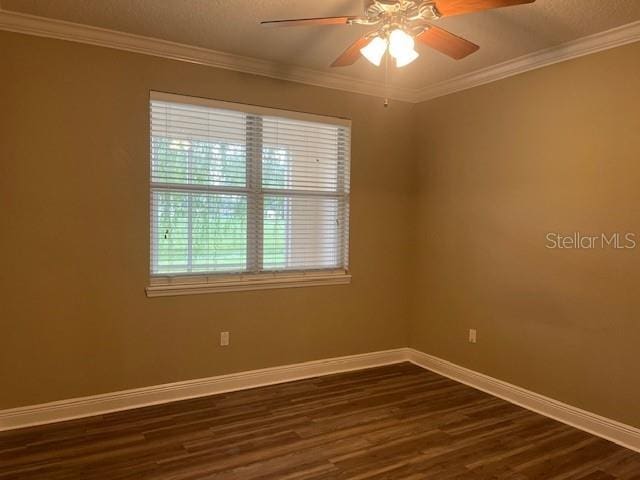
(241,189)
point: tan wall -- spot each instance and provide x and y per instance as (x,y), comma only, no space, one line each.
(75,236)
(553,150)
(499,166)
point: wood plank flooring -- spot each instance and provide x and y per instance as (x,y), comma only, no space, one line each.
(388,423)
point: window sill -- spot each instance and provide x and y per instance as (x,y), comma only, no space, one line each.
(173,286)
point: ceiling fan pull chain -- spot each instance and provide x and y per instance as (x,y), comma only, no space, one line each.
(386,80)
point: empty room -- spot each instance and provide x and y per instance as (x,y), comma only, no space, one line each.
(320,240)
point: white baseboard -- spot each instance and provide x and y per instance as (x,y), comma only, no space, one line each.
(606,428)
(612,430)
(140,397)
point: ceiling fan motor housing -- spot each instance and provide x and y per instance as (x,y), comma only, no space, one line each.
(408,15)
(409,9)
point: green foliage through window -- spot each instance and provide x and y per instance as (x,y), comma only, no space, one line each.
(233,190)
(200,232)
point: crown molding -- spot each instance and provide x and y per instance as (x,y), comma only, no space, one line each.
(74,32)
(597,42)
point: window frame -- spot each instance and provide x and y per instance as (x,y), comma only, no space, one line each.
(170,284)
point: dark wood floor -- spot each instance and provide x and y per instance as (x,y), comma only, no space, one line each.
(395,422)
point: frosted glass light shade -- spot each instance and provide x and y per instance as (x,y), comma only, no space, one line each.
(406,58)
(400,43)
(374,50)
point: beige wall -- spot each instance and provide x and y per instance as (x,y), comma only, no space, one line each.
(553,150)
(459,245)
(74,184)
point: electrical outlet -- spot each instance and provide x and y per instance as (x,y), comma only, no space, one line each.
(473,335)
(224,339)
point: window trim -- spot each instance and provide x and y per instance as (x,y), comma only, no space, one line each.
(162,285)
(246,108)
(197,284)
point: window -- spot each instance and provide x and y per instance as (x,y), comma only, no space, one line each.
(246,197)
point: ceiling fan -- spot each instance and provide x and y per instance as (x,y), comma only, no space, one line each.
(399,24)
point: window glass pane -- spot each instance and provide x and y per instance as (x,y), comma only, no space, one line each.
(219,227)
(197,145)
(199,232)
(275,232)
(302,232)
(196,162)
(276,167)
(302,155)
(170,232)
(206,203)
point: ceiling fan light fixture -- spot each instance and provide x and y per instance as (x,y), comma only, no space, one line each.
(400,44)
(399,24)
(374,50)
(406,58)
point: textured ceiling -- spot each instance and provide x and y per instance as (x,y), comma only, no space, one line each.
(233,26)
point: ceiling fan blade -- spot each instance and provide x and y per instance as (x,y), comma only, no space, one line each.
(300,22)
(447,43)
(458,7)
(352,53)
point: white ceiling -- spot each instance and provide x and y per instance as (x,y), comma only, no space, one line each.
(233,26)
